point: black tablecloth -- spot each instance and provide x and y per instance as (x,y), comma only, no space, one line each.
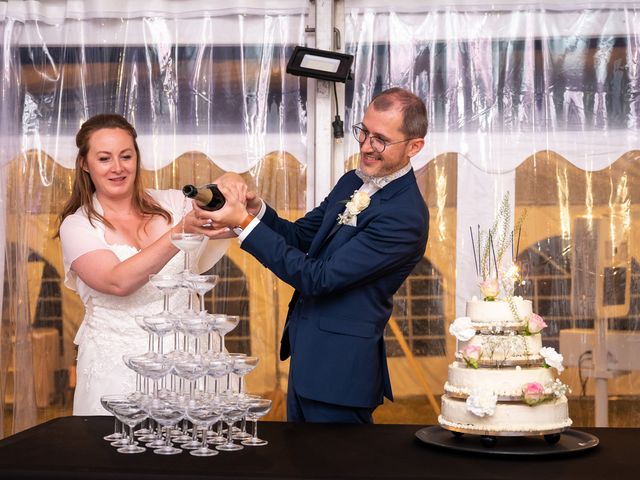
(72,447)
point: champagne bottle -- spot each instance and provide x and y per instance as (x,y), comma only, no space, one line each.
(208,196)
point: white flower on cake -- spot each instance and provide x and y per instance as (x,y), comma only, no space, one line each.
(356,204)
(482,403)
(552,358)
(535,324)
(556,388)
(462,329)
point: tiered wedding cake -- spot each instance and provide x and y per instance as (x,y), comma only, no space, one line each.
(503,381)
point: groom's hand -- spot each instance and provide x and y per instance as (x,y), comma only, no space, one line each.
(237,184)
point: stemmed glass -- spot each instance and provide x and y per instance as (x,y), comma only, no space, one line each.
(232,411)
(220,365)
(191,368)
(162,325)
(223,324)
(167,413)
(257,409)
(194,326)
(188,243)
(203,413)
(117,436)
(155,368)
(131,414)
(242,366)
(166,284)
(202,284)
(140,322)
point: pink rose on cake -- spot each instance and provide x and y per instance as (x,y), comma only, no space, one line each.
(535,324)
(490,288)
(471,354)
(533,393)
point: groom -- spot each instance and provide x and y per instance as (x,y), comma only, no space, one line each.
(345,258)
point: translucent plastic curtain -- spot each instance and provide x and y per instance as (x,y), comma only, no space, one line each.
(207,93)
(541,102)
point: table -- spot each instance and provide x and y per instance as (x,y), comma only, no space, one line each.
(72,448)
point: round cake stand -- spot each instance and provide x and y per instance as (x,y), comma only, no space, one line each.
(568,442)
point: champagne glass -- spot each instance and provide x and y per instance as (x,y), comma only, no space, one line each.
(167,413)
(233,357)
(242,366)
(194,326)
(166,284)
(140,322)
(162,325)
(191,368)
(257,409)
(203,413)
(223,324)
(189,243)
(232,411)
(220,365)
(131,414)
(155,369)
(241,433)
(202,284)
(117,436)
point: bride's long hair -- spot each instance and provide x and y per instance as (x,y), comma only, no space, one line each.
(83,186)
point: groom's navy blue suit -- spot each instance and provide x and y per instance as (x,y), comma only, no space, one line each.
(345,277)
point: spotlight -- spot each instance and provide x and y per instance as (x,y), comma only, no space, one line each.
(321,64)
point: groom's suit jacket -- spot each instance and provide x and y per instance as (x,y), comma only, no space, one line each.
(345,277)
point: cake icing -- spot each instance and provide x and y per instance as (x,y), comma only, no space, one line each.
(509,417)
(501,381)
(496,314)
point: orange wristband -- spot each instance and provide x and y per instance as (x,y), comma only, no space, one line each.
(247,220)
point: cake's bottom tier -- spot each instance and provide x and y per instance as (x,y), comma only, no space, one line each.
(516,418)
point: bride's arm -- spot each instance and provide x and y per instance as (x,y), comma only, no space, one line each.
(89,257)
(103,271)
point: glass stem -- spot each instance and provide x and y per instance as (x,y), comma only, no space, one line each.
(167,432)
(204,436)
(255,429)
(165,306)
(229,433)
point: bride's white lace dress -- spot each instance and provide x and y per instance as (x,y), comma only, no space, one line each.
(109,330)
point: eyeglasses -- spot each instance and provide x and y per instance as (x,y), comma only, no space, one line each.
(360,133)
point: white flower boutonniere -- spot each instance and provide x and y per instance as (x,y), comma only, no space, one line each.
(356,204)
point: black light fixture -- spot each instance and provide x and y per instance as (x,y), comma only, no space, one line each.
(321,64)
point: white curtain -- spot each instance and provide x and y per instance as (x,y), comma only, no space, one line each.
(199,80)
(535,99)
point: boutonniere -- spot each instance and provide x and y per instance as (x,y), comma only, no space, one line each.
(355,205)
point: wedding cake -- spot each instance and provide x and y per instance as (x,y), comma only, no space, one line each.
(503,382)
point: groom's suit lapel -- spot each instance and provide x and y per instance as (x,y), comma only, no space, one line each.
(330,223)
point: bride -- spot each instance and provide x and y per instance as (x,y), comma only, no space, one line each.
(114,234)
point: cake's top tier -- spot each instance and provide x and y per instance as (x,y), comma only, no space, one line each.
(499,313)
